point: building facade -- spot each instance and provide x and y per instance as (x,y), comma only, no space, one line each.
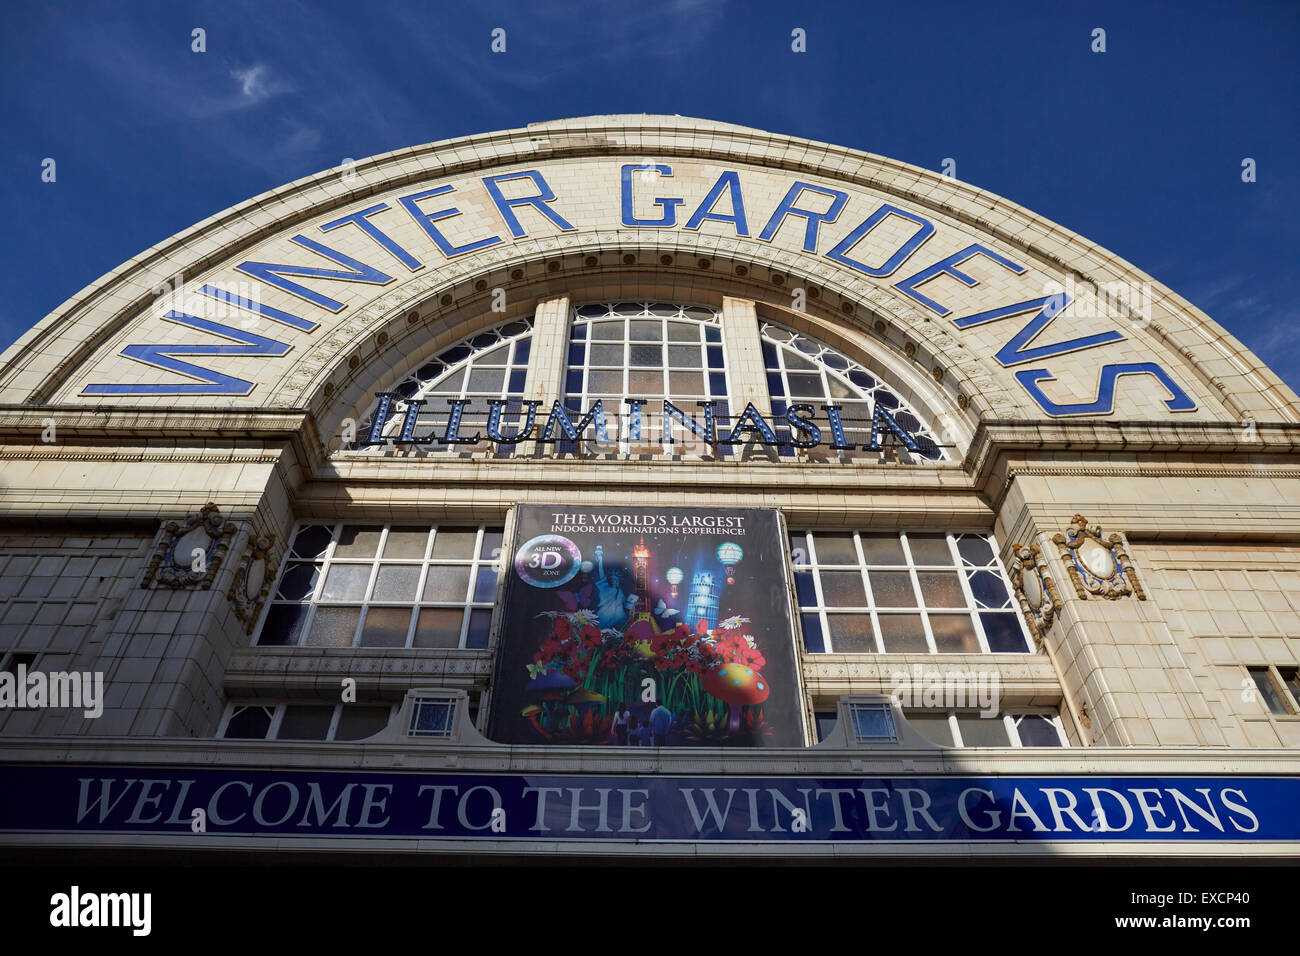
(602,414)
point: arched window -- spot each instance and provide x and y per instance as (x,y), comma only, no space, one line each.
(645,350)
(802,369)
(488,364)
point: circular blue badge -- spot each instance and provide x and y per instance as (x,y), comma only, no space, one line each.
(547,561)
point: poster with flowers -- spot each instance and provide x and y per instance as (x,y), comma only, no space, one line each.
(646,627)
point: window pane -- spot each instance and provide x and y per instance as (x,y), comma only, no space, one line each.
(358,723)
(843,589)
(647,356)
(646,332)
(813,642)
(988,588)
(454,543)
(977,731)
(683,332)
(346,582)
(685,356)
(490,549)
(357,541)
(954,634)
(605,383)
(249,723)
(485,587)
(685,383)
(607,331)
(298,582)
(933,727)
(386,627)
(446,583)
(334,626)
(645,382)
(1003,633)
(882,549)
(438,627)
(312,541)
(406,542)
(480,623)
(903,634)
(1037,730)
(1269,695)
(851,633)
(975,550)
(609,355)
(835,549)
(803,585)
(283,625)
(892,589)
(941,589)
(305,722)
(487,380)
(929,549)
(396,582)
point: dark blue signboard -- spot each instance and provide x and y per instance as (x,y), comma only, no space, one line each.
(555,807)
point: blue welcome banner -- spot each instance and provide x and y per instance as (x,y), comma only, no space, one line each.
(36,798)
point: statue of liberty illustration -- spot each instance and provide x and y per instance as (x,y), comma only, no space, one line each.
(614,607)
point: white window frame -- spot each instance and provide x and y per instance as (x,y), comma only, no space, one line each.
(327,561)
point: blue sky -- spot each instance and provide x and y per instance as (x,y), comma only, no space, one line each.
(1138,149)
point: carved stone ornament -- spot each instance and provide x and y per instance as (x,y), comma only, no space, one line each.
(190,552)
(249,590)
(1034,589)
(1097,566)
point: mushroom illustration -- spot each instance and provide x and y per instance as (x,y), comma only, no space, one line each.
(553,686)
(582,698)
(738,685)
(531,713)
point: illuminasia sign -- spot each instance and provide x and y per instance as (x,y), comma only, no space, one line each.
(560,807)
(806,426)
(646,627)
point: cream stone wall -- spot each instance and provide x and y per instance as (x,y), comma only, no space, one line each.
(1231,607)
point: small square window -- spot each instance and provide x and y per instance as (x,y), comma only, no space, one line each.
(873,723)
(432,717)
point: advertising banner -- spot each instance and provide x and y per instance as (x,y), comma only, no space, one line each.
(644,627)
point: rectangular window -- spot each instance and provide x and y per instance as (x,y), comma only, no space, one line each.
(913,593)
(1270,694)
(956,728)
(356,585)
(249,720)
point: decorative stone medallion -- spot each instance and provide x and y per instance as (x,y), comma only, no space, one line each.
(190,553)
(1034,589)
(1097,566)
(249,590)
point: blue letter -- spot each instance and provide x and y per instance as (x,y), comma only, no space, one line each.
(427,220)
(729,180)
(374,232)
(1178,401)
(506,206)
(214,383)
(815,219)
(274,274)
(669,217)
(949,266)
(841,252)
(1016,352)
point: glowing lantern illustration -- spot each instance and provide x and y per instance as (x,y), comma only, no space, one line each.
(674,577)
(729,553)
